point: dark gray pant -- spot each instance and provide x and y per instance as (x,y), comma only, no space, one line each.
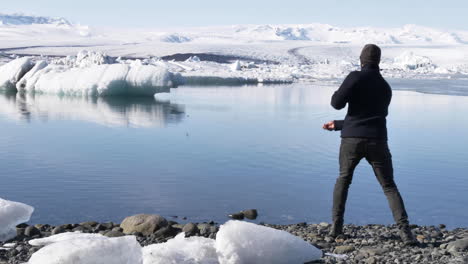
(378,155)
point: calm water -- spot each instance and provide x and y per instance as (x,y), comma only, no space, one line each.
(204,152)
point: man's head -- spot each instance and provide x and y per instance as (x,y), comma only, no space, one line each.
(370,54)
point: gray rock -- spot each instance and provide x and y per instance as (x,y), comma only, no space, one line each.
(31,231)
(58,230)
(251,214)
(20,229)
(237,216)
(373,251)
(343,249)
(190,229)
(89,223)
(204,229)
(167,232)
(117,228)
(143,223)
(114,233)
(458,245)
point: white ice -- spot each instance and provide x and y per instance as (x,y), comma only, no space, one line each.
(236,243)
(302,52)
(181,250)
(89,74)
(76,248)
(243,243)
(13,71)
(12,214)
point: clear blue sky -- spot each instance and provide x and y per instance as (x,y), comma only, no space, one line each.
(155,13)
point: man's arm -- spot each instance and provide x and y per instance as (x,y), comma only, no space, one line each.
(341,96)
(338,124)
(334,125)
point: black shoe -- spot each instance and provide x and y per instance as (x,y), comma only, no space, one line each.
(336,229)
(407,236)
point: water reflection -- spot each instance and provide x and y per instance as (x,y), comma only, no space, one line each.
(109,111)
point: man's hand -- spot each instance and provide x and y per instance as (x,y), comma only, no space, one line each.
(330,126)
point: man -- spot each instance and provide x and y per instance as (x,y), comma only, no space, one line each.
(364,135)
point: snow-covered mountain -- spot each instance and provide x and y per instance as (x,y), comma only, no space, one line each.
(20,19)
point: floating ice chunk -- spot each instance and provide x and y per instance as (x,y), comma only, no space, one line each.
(236,66)
(410,61)
(242,243)
(181,250)
(193,59)
(13,71)
(95,249)
(12,214)
(102,80)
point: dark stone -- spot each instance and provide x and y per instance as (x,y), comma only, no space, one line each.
(204,229)
(114,233)
(190,229)
(107,226)
(58,230)
(237,216)
(89,223)
(20,229)
(167,232)
(172,223)
(117,228)
(251,214)
(31,231)
(100,227)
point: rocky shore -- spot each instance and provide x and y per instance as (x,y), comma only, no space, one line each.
(361,244)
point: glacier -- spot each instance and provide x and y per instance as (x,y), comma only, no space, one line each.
(12,214)
(231,55)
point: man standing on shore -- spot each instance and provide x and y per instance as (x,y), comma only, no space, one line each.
(364,135)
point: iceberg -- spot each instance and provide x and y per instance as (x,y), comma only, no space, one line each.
(242,243)
(98,80)
(181,250)
(13,71)
(75,248)
(12,214)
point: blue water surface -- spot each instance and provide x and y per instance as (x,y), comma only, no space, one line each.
(204,152)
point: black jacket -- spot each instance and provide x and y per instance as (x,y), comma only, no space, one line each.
(368,96)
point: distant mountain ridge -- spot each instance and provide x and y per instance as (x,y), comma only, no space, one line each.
(20,19)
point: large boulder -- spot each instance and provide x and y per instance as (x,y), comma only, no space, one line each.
(143,223)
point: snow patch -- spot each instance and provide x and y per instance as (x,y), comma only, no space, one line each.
(12,214)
